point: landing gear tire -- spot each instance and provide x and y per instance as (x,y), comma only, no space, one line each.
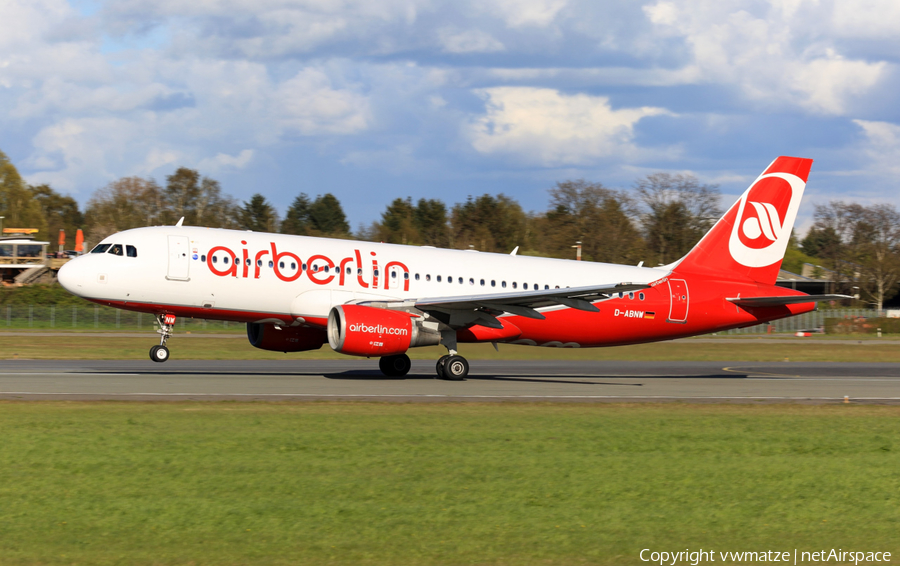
(395,366)
(439,368)
(456,368)
(159,353)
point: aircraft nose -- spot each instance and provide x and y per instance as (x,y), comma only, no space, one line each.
(69,277)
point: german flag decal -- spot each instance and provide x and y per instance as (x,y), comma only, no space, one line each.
(650,315)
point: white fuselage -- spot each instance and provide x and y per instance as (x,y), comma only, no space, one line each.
(238,275)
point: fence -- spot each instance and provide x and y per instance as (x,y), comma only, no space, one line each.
(106,318)
(809,321)
(100,318)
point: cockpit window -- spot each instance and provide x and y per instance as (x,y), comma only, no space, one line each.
(116,249)
(100,248)
(131,251)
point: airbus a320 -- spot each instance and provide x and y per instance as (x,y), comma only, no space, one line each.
(297,293)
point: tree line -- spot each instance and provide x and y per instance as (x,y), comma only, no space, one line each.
(656,222)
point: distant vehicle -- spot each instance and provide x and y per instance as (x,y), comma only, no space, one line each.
(379,300)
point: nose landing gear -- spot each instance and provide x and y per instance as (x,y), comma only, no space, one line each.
(166,323)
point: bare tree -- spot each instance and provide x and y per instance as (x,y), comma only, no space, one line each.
(878,235)
(679,210)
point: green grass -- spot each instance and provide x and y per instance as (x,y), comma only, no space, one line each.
(329,483)
(193,347)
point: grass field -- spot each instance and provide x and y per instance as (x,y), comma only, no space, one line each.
(196,347)
(395,484)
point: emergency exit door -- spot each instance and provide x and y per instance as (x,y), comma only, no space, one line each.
(179,258)
(678,301)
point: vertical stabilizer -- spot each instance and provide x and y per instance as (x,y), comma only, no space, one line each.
(749,241)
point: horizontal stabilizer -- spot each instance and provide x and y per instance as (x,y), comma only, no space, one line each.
(784,300)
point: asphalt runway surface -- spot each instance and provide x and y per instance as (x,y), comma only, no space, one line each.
(523,381)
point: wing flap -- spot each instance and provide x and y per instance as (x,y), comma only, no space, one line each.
(574,297)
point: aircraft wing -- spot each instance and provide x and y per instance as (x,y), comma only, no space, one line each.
(468,310)
(784,300)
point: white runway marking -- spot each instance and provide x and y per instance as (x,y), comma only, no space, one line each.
(444,396)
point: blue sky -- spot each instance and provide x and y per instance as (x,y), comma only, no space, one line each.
(377,99)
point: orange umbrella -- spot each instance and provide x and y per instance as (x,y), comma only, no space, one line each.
(79,241)
(62,237)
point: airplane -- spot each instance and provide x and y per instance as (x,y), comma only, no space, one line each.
(295,293)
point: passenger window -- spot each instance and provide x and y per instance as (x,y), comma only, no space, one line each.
(641,296)
(349,271)
(493,282)
(405,275)
(472,281)
(259,263)
(631,295)
(546,286)
(225,260)
(359,271)
(248,262)
(450,279)
(417,276)
(376,273)
(482,282)
(515,285)
(293,265)
(281,265)
(460,280)
(131,251)
(116,249)
(302,267)
(327,268)
(427,277)
(393,274)
(271,263)
(203,258)
(100,248)
(215,259)
(536,287)
(438,278)
(503,284)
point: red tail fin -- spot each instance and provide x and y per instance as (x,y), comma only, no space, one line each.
(750,240)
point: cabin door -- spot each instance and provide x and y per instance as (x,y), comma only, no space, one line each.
(678,297)
(179,258)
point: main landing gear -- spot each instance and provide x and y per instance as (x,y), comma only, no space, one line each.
(166,323)
(452,367)
(395,366)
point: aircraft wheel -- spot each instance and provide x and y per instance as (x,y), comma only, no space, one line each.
(439,368)
(159,353)
(395,366)
(456,368)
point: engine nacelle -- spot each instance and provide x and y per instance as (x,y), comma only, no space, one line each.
(285,339)
(369,331)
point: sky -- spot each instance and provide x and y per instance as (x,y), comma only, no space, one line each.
(377,99)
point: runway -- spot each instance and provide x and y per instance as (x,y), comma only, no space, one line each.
(524,381)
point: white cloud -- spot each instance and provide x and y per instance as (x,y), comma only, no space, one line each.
(881,147)
(308,105)
(544,127)
(773,57)
(224,161)
(523,13)
(469,41)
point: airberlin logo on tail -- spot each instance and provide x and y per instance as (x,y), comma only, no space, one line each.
(765,216)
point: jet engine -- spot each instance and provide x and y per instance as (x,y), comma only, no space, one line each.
(358,330)
(286,338)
